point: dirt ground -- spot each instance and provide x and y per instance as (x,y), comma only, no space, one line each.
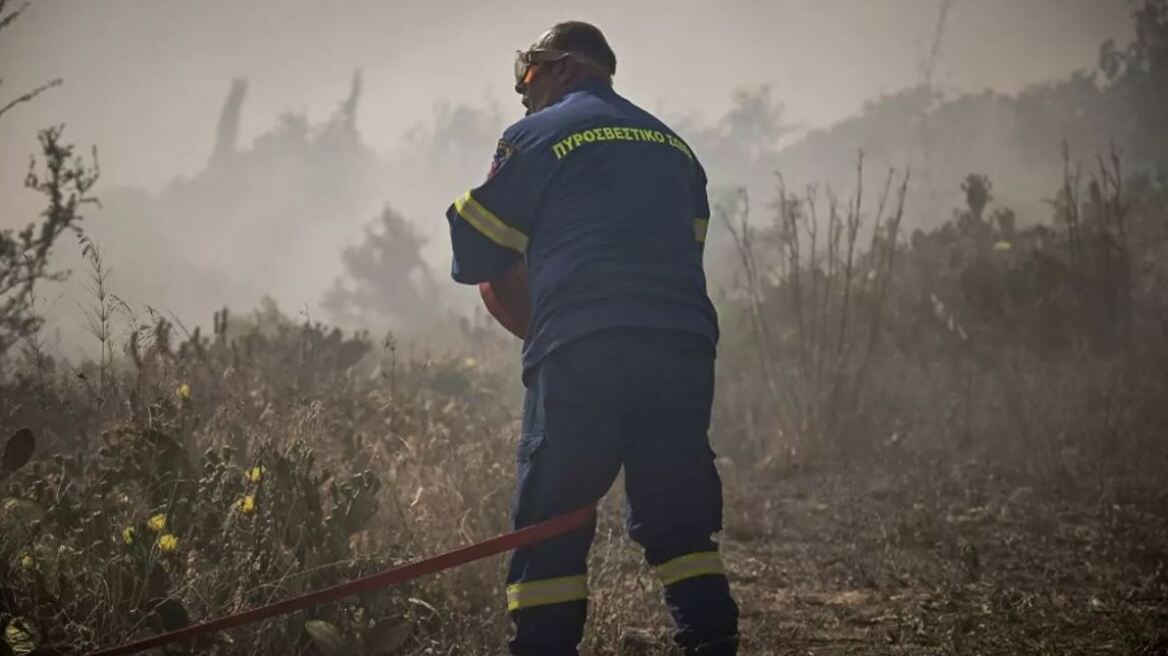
(938,559)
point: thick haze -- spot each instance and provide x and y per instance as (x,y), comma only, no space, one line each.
(145,81)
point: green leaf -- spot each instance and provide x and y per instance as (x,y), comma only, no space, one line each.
(21,637)
(170,459)
(173,614)
(13,509)
(162,441)
(18,451)
(389,637)
(327,638)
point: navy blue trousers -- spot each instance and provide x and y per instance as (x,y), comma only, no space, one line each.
(640,399)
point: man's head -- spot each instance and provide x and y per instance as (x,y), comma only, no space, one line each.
(564,56)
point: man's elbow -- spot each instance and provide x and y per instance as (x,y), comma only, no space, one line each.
(466,276)
(481,265)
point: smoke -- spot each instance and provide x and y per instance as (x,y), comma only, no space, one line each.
(241,156)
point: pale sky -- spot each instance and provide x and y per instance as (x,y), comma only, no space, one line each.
(144,79)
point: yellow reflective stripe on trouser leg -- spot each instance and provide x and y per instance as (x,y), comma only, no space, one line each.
(546,591)
(689,566)
(491,226)
(700,228)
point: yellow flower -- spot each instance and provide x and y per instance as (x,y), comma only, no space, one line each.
(470,363)
(1002,246)
(167,543)
(128,535)
(247,504)
(183,392)
(27,562)
(158,523)
(255,474)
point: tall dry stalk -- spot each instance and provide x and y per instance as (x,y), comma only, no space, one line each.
(99,315)
(815,323)
(735,213)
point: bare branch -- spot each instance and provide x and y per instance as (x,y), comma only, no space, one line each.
(5,21)
(30,95)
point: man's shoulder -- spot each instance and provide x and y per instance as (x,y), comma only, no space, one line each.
(531,133)
(651,121)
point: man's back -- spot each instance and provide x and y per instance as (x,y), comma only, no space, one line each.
(614,210)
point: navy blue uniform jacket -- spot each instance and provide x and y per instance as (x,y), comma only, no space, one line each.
(609,208)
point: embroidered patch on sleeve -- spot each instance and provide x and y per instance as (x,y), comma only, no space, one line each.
(503,153)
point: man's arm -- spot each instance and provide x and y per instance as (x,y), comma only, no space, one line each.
(509,300)
(489,228)
(490,224)
(484,246)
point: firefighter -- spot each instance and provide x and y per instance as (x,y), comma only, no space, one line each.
(587,240)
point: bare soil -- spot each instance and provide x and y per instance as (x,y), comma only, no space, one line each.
(919,558)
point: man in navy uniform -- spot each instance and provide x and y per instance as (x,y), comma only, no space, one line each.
(586,240)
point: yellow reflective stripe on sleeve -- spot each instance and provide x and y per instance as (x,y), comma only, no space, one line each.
(700,228)
(689,566)
(491,226)
(547,591)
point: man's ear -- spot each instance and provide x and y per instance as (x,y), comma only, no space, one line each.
(567,69)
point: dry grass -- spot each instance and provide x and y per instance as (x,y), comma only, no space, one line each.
(914,462)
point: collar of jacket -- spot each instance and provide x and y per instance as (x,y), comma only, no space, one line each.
(593,85)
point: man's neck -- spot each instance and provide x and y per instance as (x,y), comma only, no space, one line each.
(590,83)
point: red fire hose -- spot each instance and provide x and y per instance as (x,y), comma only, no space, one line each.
(496,545)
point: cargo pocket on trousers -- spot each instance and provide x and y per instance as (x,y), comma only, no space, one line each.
(529,445)
(525,506)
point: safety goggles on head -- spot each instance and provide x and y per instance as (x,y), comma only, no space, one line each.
(526,60)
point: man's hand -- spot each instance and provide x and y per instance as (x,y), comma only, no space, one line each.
(508,299)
